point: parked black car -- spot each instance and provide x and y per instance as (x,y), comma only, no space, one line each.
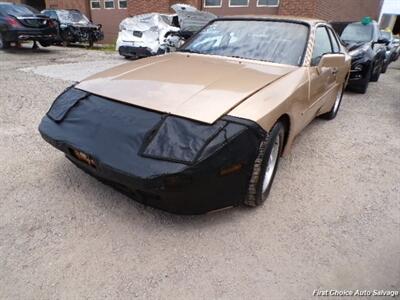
(368,51)
(391,49)
(21,23)
(74,26)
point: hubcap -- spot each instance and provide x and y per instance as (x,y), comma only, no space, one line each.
(271,164)
(337,101)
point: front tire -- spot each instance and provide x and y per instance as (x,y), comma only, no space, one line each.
(45,44)
(265,166)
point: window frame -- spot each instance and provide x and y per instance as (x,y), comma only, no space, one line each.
(119,4)
(267,5)
(109,1)
(212,6)
(331,34)
(315,38)
(97,1)
(230,5)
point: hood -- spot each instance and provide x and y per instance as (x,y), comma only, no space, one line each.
(197,87)
(354,45)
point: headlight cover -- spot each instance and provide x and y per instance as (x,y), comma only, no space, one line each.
(64,103)
(179,140)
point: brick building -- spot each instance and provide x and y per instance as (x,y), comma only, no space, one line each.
(109,13)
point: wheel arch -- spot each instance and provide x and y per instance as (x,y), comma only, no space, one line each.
(285,119)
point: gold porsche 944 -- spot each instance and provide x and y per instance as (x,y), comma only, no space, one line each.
(203,128)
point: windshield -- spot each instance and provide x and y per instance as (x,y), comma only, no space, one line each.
(273,41)
(17,10)
(357,32)
(72,16)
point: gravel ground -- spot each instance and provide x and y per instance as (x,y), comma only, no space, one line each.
(332,220)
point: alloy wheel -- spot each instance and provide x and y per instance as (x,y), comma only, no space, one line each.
(271,163)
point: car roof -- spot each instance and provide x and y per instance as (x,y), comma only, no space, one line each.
(309,21)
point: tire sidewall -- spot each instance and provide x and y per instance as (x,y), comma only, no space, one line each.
(2,42)
(278,129)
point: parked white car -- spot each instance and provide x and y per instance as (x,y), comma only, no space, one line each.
(155,33)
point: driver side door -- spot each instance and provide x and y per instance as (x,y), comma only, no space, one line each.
(322,79)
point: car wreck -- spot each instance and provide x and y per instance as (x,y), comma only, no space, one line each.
(151,34)
(74,27)
(209,139)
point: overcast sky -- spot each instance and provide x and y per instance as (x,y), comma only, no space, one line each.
(391,7)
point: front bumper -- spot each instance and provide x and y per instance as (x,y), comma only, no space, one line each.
(112,134)
(81,34)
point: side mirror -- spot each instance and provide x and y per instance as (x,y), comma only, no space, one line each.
(331,60)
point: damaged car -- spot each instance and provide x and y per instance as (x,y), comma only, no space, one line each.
(152,34)
(74,27)
(368,51)
(203,128)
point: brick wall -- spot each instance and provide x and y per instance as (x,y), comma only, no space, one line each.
(332,10)
(345,10)
(82,5)
(163,6)
(146,6)
(297,8)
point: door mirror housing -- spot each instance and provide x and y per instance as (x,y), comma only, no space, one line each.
(332,60)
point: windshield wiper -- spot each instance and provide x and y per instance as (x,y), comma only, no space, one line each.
(189,51)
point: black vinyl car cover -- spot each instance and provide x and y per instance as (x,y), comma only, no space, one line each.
(138,149)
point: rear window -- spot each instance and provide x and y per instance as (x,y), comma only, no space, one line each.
(17,10)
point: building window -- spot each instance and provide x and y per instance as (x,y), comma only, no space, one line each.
(238,3)
(95,4)
(109,4)
(122,4)
(212,3)
(271,3)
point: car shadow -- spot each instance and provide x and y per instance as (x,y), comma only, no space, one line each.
(27,48)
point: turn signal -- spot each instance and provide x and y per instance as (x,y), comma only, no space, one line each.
(231,169)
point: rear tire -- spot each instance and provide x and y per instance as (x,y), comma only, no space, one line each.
(3,44)
(45,44)
(265,166)
(330,115)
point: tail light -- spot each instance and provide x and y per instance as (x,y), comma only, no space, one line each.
(13,22)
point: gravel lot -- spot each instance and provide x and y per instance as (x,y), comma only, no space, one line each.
(332,220)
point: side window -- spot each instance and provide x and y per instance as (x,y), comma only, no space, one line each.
(322,45)
(335,44)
